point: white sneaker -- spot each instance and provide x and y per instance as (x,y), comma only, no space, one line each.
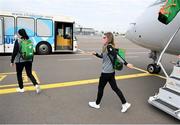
(20,90)
(125,107)
(151,99)
(94,105)
(38,90)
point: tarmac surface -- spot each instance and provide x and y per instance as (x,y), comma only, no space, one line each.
(70,81)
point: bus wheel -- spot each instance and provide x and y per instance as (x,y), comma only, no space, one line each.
(43,49)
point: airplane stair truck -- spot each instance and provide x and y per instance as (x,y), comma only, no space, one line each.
(168,98)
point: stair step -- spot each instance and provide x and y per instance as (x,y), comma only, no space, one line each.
(172,91)
(167,105)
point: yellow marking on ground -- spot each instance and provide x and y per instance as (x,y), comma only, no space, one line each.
(11,73)
(8,73)
(25,79)
(73,83)
(2,77)
(142,70)
(136,68)
(163,77)
(132,76)
(13,85)
(36,76)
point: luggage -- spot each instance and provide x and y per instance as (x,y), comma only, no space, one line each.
(118,65)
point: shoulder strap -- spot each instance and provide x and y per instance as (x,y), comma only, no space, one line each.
(111,54)
(19,43)
(119,57)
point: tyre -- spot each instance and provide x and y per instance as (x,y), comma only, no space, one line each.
(43,49)
(153,69)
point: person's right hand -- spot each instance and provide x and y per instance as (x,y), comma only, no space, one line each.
(12,65)
(130,66)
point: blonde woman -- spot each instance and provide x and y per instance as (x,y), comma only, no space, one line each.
(108,73)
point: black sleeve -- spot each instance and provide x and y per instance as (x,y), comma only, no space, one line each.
(122,60)
(15,51)
(111,51)
(113,54)
(99,55)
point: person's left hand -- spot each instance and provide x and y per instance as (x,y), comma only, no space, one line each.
(93,53)
(130,66)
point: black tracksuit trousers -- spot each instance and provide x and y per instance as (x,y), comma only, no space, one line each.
(28,68)
(108,77)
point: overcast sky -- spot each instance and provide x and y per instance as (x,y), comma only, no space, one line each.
(106,15)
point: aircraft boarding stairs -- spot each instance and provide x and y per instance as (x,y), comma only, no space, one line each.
(168,98)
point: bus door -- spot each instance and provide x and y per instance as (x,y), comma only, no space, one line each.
(1,36)
(64,36)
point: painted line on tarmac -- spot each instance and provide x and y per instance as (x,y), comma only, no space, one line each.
(2,77)
(132,53)
(88,54)
(73,83)
(79,59)
(13,85)
(36,76)
(136,48)
(142,70)
(14,73)
(130,57)
(8,73)
(163,77)
(85,59)
(139,69)
(24,75)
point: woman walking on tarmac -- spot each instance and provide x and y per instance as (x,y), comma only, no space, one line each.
(108,73)
(20,62)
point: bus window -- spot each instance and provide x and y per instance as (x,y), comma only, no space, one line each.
(9,28)
(68,33)
(27,24)
(60,32)
(44,27)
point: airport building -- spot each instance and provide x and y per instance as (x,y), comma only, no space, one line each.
(80,30)
(84,31)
